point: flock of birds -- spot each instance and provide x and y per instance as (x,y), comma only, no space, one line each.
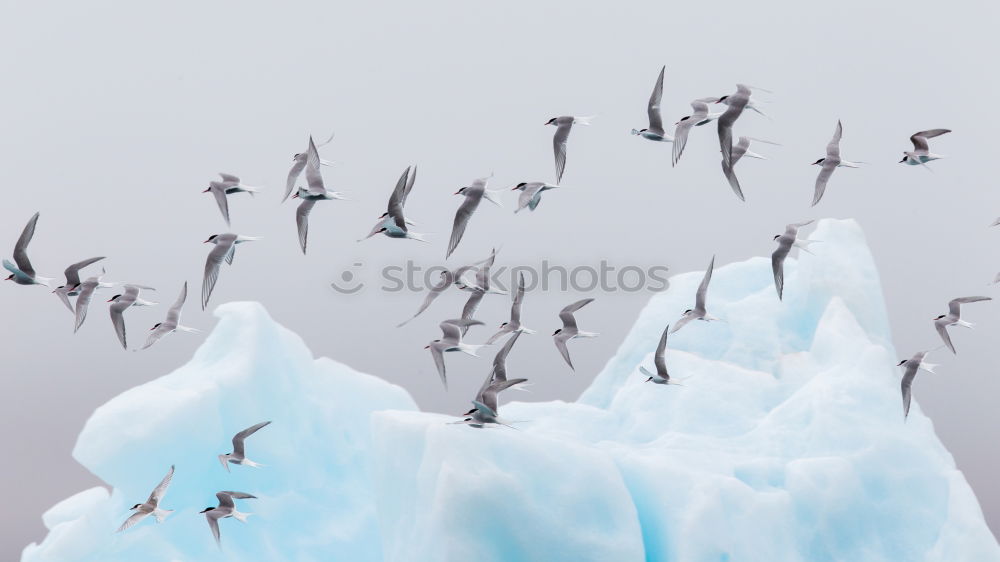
(473,278)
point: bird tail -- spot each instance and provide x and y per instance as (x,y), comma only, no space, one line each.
(804,245)
(240,516)
(251,189)
(587,334)
(47,281)
(417,236)
(144,302)
(161,514)
(585,120)
(965,324)
(493,196)
(188,329)
(250,463)
(242,238)
(469,348)
(527,330)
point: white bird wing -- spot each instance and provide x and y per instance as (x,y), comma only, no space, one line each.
(302,222)
(653,108)
(559,142)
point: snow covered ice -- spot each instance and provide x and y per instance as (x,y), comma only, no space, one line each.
(786,443)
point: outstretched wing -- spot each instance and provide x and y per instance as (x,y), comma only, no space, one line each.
(240,438)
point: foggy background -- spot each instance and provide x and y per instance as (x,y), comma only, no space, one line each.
(116,115)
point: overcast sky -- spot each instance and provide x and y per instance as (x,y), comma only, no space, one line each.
(116,115)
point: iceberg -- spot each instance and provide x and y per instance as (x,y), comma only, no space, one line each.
(787,442)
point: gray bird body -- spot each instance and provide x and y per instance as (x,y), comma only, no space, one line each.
(121,303)
(151,506)
(911,366)
(172,322)
(299,164)
(83,299)
(72,286)
(514,325)
(786,242)
(238,456)
(921,154)
(661,376)
(23,273)
(682,129)
(531,194)
(224,251)
(473,196)
(954,317)
(831,162)
(451,340)
(316,191)
(570,330)
(563,125)
(392,223)
(226,508)
(736,103)
(699,312)
(229,185)
(654,131)
(485,405)
(741,149)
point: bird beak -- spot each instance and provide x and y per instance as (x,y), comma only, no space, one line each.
(206,241)
(457,193)
(427,347)
(109,300)
(296,196)
(514,188)
(207,190)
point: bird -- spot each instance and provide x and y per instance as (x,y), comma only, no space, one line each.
(392,223)
(172,323)
(741,149)
(563,125)
(151,505)
(954,317)
(912,365)
(830,163)
(316,191)
(569,330)
(299,164)
(513,326)
(474,194)
(238,456)
(655,130)
(451,340)
(737,102)
(230,184)
(683,127)
(72,286)
(785,243)
(484,406)
(470,308)
(23,273)
(120,303)
(465,281)
(226,508)
(224,250)
(921,153)
(699,312)
(86,294)
(661,376)
(531,194)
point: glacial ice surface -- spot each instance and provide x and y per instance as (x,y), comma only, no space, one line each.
(787,442)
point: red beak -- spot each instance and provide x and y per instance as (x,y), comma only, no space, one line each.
(207,190)
(296,196)
(427,347)
(514,188)
(109,300)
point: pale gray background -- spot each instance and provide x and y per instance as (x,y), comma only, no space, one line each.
(115,115)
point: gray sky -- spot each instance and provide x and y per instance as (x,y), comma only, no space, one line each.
(118,114)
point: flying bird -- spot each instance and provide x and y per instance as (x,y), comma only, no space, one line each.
(741,149)
(299,164)
(563,125)
(392,223)
(954,317)
(484,406)
(72,286)
(121,303)
(447,279)
(569,330)
(531,194)
(465,281)
(661,376)
(151,505)
(23,273)
(86,294)
(230,184)
(474,195)
(737,102)
(513,326)
(699,312)
(921,154)
(238,456)
(451,340)
(172,323)
(224,250)
(912,365)
(226,508)
(830,163)
(655,130)
(316,191)
(682,128)
(785,243)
